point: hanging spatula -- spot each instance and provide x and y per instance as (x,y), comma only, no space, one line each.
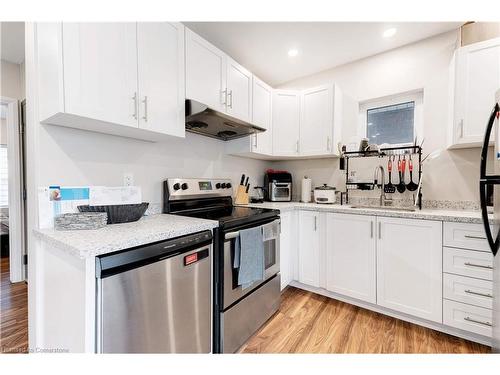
(401,165)
(389,188)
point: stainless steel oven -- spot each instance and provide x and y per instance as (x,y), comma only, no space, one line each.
(245,310)
(233,291)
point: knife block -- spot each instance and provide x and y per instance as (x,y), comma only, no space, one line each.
(242,197)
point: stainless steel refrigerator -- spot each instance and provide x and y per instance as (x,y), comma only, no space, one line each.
(488,182)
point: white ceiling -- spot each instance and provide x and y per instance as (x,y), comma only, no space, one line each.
(12,43)
(262,46)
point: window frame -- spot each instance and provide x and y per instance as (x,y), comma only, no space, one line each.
(416,96)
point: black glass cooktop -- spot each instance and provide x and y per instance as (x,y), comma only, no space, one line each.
(231,216)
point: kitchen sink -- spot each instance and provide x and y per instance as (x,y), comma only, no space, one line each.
(389,208)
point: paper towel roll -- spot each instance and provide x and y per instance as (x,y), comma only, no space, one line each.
(306,190)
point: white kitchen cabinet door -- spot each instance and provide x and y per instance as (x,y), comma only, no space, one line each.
(100,71)
(161,77)
(205,72)
(477,80)
(286,122)
(309,248)
(316,125)
(262,116)
(409,266)
(239,91)
(351,256)
(287,245)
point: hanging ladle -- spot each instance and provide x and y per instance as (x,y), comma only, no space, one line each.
(411,185)
(401,167)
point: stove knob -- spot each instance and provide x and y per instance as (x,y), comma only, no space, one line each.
(223,185)
(217,185)
(184,186)
(177,186)
(228,185)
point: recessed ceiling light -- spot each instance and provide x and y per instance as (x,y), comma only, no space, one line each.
(389,32)
(293,52)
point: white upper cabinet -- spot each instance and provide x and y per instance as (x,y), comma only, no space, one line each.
(409,266)
(262,94)
(125,79)
(161,77)
(205,72)
(477,78)
(239,91)
(351,256)
(286,122)
(100,71)
(316,125)
(309,248)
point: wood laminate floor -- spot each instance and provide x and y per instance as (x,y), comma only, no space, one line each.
(310,323)
(13,313)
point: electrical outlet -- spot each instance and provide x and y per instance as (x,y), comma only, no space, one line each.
(128,179)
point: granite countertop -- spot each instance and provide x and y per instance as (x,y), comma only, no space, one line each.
(89,243)
(458,216)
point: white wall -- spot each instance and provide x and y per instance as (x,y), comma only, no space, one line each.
(10,80)
(422,65)
(74,157)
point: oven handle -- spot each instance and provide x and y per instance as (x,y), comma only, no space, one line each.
(236,234)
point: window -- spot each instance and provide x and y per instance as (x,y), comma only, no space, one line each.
(4,177)
(391,124)
(394,120)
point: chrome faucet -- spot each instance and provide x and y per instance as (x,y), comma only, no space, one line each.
(380,169)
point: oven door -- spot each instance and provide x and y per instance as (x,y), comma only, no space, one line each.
(233,291)
(281,191)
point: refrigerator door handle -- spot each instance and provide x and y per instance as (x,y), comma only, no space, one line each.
(488,180)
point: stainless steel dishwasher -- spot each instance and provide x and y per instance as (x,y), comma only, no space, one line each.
(156,298)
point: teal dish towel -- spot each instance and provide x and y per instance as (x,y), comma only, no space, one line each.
(249,256)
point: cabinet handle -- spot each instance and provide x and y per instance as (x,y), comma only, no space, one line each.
(134,98)
(145,101)
(468,291)
(315,223)
(223,97)
(255,138)
(469,319)
(474,237)
(230,97)
(328,146)
(477,265)
(297,147)
(371,229)
(379,230)
(461,128)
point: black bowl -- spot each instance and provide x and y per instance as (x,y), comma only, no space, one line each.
(120,213)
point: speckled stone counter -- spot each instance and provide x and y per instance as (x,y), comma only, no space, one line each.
(459,216)
(89,243)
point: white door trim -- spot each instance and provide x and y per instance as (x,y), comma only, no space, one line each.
(16,237)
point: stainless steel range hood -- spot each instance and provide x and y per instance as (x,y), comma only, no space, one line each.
(201,119)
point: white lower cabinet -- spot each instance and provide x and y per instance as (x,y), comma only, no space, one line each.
(468,318)
(309,248)
(409,266)
(351,256)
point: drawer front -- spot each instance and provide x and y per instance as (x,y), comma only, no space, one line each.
(466,236)
(468,290)
(469,318)
(468,263)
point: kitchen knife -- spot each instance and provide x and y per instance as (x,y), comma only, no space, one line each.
(246,181)
(248,187)
(242,179)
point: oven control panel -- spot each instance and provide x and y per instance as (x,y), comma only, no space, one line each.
(185,188)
